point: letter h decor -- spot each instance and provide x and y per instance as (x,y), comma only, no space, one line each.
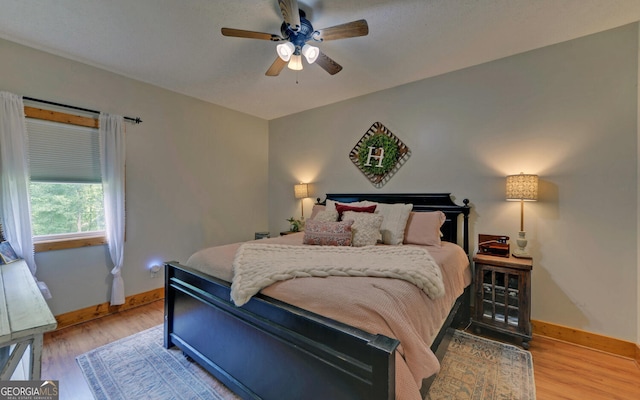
(379,154)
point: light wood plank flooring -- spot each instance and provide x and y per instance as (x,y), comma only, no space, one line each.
(562,370)
(62,347)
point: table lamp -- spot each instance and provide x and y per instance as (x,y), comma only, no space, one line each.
(522,187)
(301,191)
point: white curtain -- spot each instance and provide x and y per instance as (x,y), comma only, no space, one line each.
(112,158)
(14,196)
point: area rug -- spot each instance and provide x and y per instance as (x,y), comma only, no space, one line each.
(481,369)
(138,367)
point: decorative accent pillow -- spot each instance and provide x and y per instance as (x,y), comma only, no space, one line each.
(342,208)
(394,221)
(331,204)
(365,228)
(316,209)
(328,233)
(424,228)
(326,216)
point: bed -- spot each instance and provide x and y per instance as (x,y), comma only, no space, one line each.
(271,349)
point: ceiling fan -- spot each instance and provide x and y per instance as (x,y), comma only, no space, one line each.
(296,31)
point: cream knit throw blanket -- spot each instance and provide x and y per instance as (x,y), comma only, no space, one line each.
(257,266)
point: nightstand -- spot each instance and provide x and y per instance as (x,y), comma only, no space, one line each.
(287,233)
(503,295)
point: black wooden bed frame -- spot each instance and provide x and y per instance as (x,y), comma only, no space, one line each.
(268,349)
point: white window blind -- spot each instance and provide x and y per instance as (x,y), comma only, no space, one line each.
(63,153)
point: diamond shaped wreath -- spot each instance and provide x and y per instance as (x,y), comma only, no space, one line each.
(379,154)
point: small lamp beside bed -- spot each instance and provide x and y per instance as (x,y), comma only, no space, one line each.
(301,191)
(522,187)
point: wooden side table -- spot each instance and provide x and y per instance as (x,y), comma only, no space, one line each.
(24,317)
(503,295)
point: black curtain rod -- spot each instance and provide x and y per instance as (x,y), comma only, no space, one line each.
(135,120)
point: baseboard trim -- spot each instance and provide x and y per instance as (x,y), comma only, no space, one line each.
(587,339)
(101,310)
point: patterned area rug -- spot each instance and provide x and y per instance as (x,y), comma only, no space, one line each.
(138,367)
(482,369)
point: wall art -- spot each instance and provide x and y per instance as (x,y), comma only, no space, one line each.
(379,154)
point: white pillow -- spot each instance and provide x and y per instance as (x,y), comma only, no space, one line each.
(316,209)
(365,228)
(326,216)
(394,221)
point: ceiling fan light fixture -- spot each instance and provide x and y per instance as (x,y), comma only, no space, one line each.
(285,50)
(295,31)
(311,53)
(296,62)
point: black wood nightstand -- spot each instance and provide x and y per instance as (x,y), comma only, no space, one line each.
(503,295)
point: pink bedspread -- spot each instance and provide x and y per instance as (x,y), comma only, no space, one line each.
(390,307)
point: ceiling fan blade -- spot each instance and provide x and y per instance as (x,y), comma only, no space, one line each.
(348,30)
(328,64)
(250,34)
(276,67)
(290,13)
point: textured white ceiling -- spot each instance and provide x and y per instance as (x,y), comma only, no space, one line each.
(177,45)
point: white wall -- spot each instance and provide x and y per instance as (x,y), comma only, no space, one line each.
(566,112)
(196,174)
(638,214)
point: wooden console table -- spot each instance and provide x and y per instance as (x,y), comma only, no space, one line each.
(24,318)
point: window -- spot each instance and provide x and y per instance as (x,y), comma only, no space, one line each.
(66,208)
(66,188)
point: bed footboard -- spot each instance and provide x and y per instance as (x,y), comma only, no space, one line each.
(253,349)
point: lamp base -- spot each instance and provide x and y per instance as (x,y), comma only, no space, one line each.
(521,251)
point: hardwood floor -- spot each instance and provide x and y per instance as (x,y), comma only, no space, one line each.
(568,371)
(562,370)
(62,347)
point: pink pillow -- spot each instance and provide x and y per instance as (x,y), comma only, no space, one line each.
(328,233)
(341,208)
(423,228)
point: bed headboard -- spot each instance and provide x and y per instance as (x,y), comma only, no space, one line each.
(423,202)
